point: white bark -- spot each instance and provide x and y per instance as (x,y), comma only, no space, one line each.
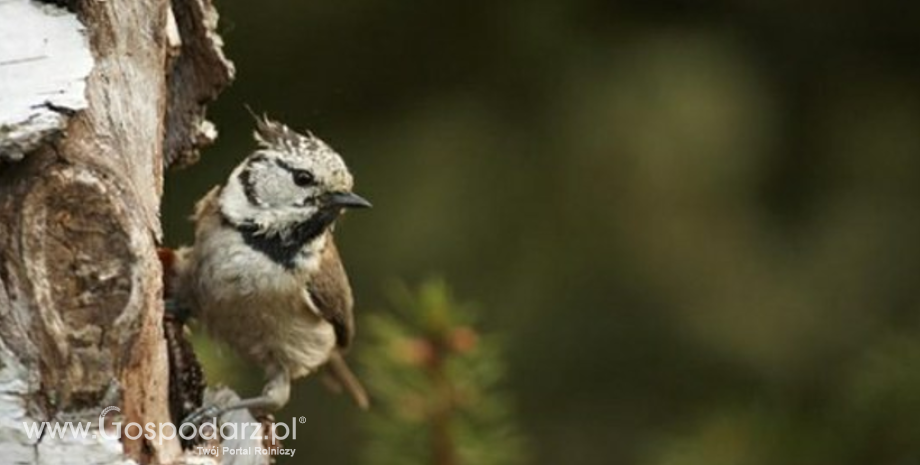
(44,62)
(92,105)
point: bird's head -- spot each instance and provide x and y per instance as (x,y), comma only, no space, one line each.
(292,182)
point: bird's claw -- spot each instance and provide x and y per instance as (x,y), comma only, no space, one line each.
(202,414)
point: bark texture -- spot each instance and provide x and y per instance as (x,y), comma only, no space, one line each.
(94,100)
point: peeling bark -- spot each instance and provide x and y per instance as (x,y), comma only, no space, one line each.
(38,41)
(199,73)
(93,104)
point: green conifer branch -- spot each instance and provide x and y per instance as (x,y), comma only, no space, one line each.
(436,384)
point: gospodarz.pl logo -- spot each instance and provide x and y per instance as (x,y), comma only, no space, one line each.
(257,432)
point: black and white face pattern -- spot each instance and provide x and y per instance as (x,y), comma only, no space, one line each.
(283,186)
(274,181)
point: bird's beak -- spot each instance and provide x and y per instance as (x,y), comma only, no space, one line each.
(345,200)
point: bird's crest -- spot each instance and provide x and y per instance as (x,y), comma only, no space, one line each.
(276,136)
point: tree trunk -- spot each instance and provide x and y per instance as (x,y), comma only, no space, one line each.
(95,100)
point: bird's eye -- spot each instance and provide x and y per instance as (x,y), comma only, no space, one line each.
(303,178)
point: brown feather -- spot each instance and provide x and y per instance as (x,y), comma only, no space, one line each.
(331,293)
(339,376)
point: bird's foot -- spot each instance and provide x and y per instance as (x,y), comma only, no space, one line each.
(204,415)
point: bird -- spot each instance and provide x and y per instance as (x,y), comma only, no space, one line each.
(264,274)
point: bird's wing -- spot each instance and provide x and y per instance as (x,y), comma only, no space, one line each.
(330,294)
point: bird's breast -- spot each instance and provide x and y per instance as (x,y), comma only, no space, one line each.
(249,301)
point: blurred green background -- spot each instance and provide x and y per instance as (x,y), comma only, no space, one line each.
(695,224)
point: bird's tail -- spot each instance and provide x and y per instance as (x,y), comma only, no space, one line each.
(340,377)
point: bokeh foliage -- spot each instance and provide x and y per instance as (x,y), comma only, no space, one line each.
(694,223)
(436,385)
